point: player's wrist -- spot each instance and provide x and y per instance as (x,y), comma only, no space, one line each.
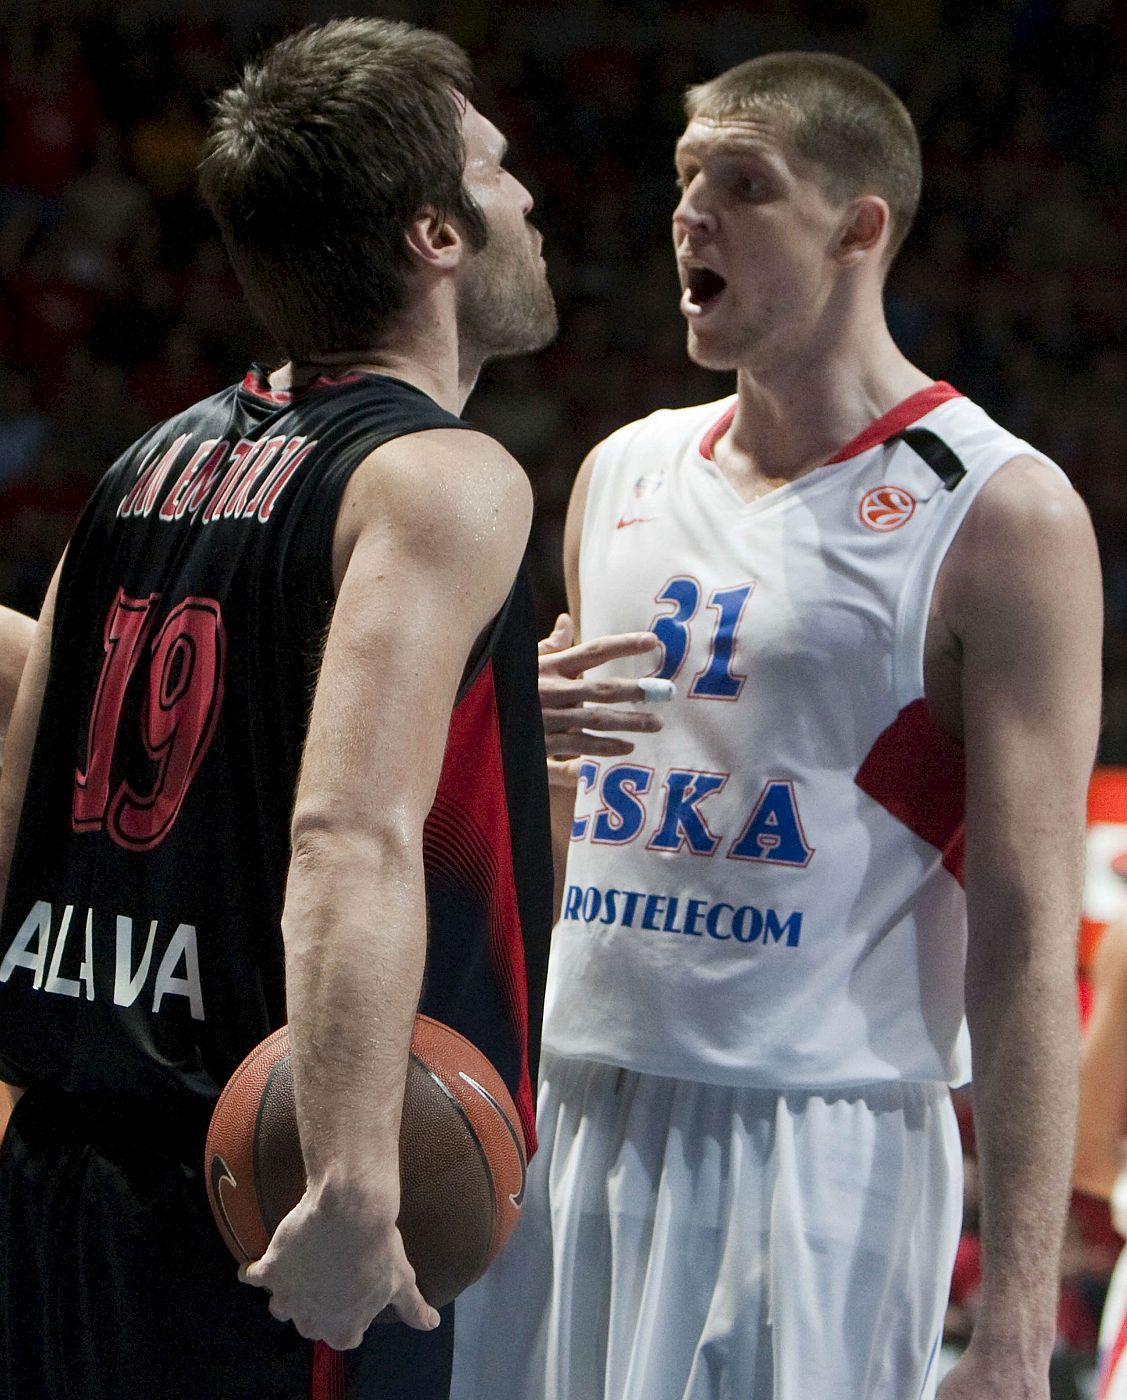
(353,1193)
(1017,1339)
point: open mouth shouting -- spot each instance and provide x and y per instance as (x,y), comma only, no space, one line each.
(702,289)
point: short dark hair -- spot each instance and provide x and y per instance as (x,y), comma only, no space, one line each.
(837,114)
(318,160)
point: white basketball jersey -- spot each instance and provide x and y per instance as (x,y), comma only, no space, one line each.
(768,891)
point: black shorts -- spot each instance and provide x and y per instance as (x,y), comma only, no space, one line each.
(115,1285)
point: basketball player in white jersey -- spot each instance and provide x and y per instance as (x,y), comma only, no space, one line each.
(880,613)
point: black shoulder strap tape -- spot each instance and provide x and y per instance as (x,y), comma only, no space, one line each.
(935,452)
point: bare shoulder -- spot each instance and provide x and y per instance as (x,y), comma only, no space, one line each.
(443,492)
(573,532)
(1025,501)
(577,504)
(444,473)
(1028,532)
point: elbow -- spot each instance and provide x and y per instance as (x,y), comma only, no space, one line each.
(325,836)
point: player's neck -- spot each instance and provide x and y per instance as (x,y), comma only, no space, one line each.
(421,349)
(794,415)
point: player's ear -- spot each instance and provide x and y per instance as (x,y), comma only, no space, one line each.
(432,241)
(864,228)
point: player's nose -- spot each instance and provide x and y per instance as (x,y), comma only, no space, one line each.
(693,214)
(527,203)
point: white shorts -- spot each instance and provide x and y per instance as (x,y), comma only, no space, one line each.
(684,1241)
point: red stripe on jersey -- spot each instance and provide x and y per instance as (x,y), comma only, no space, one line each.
(716,432)
(916,772)
(467,831)
(327,1380)
(255,382)
(909,411)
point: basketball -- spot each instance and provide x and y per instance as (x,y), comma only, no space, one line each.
(461,1157)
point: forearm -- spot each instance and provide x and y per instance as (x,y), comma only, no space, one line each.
(1022,1015)
(355,936)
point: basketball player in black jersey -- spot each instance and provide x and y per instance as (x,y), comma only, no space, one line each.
(278,756)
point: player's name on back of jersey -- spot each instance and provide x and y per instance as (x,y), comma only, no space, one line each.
(61,946)
(215,479)
(670,913)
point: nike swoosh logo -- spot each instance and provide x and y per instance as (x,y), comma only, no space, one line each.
(518,1199)
(221,1175)
(625,520)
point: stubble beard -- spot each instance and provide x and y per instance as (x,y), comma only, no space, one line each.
(505,306)
(741,342)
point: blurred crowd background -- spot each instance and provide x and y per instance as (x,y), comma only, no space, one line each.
(118,307)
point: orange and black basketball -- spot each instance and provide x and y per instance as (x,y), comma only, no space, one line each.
(461,1157)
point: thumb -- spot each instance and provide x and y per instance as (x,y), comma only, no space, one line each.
(414,1309)
(561,636)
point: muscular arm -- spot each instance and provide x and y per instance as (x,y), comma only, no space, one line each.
(429,539)
(1021,592)
(1103,1071)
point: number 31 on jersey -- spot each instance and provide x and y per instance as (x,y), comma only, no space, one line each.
(717,679)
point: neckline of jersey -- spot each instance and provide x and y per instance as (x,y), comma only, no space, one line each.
(256,382)
(902,416)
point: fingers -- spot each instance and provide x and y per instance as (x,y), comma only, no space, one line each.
(414,1309)
(344,1333)
(575,660)
(575,746)
(600,717)
(563,771)
(559,690)
(342,1338)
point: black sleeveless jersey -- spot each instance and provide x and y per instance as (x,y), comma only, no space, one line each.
(140,947)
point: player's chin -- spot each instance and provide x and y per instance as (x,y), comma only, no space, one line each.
(534,327)
(710,352)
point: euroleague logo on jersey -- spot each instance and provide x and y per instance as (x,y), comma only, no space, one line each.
(886,508)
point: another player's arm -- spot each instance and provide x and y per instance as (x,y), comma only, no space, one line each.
(16,634)
(1102,1118)
(25,655)
(1021,594)
(428,542)
(570,705)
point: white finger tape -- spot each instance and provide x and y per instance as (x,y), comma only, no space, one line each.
(656,691)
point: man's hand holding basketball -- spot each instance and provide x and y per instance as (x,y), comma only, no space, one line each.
(585,716)
(331,1269)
